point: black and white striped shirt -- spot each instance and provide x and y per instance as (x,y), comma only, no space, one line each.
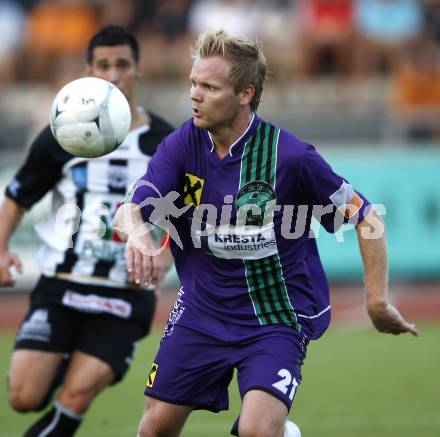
(78,242)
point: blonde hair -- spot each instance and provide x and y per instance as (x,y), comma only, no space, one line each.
(248,64)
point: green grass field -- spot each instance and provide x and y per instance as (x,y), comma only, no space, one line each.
(356,383)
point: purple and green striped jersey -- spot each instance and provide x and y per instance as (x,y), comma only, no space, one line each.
(271,274)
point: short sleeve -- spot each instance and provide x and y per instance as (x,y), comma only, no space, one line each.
(164,173)
(39,172)
(333,198)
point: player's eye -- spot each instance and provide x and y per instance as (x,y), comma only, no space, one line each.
(102,67)
(124,65)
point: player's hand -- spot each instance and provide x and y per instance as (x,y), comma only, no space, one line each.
(386,318)
(8,260)
(144,265)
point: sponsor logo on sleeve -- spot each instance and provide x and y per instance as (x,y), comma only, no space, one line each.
(347,200)
(14,186)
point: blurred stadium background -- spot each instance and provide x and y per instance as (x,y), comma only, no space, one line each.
(360,79)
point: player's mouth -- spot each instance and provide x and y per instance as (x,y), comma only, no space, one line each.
(196,113)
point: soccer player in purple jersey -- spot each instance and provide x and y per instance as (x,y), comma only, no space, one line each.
(237,194)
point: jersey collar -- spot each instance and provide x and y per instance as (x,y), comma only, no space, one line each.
(236,146)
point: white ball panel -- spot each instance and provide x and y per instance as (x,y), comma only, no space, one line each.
(82,139)
(120,115)
(90,117)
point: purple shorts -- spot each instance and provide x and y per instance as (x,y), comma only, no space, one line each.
(193,368)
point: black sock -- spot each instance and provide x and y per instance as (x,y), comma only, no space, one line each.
(57,422)
(234,429)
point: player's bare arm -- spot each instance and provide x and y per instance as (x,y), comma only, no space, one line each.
(384,316)
(144,266)
(10,216)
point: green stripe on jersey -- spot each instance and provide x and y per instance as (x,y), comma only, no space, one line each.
(266,284)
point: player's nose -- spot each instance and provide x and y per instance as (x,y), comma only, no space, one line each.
(113,76)
(195,93)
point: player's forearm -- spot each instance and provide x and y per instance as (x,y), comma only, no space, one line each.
(127,219)
(384,316)
(375,259)
(10,216)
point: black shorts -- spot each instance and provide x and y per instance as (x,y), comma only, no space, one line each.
(51,325)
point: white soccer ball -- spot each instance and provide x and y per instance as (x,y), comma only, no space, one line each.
(90,117)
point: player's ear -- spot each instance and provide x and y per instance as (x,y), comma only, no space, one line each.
(246,95)
(88,70)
